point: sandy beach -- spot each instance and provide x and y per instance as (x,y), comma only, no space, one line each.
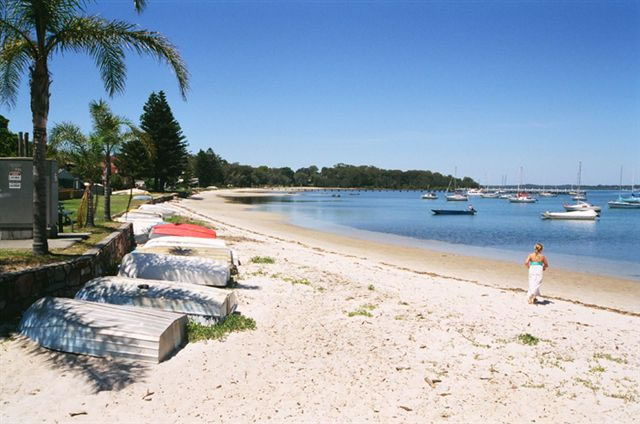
(351,330)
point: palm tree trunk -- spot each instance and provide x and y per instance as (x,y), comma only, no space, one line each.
(39,86)
(107,188)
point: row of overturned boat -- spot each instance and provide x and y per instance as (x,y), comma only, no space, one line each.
(178,273)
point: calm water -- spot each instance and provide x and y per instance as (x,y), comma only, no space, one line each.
(500,229)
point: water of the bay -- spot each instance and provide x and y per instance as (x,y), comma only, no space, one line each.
(500,230)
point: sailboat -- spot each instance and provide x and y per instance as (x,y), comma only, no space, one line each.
(545,193)
(580,195)
(522,196)
(631,202)
(429,195)
(458,195)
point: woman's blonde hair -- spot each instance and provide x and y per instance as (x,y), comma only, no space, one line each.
(538,247)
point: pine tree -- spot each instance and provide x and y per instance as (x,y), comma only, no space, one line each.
(134,161)
(170,148)
(208,168)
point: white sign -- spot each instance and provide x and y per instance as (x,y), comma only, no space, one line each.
(15,185)
(15,175)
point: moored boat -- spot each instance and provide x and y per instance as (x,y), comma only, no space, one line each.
(581,206)
(522,197)
(617,204)
(469,211)
(588,215)
(430,196)
(457,197)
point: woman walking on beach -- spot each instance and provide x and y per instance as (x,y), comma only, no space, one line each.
(537,264)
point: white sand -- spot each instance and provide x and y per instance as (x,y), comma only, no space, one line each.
(435,349)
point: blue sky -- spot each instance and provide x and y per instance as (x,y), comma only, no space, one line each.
(486,87)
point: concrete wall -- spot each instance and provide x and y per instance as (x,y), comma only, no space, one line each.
(18,290)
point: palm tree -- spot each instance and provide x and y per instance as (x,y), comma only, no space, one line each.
(84,153)
(107,131)
(31,31)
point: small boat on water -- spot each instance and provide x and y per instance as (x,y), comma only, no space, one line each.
(581,206)
(588,215)
(547,194)
(181,230)
(457,197)
(490,195)
(581,195)
(430,195)
(522,197)
(474,192)
(469,211)
(617,204)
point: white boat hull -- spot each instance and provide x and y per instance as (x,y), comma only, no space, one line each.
(177,241)
(581,206)
(219,254)
(97,329)
(175,268)
(573,215)
(202,304)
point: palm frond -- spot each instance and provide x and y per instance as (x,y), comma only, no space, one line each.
(15,55)
(139,5)
(67,137)
(106,42)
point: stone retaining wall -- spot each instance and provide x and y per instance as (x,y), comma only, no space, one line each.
(18,290)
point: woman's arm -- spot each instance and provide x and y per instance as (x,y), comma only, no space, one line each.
(526,261)
(545,264)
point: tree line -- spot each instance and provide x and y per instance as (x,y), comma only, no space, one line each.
(210,169)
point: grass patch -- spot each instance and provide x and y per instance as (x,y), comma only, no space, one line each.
(177,219)
(588,384)
(19,259)
(363,310)
(262,260)
(233,323)
(528,339)
(595,369)
(118,205)
(626,397)
(295,281)
(371,287)
(608,357)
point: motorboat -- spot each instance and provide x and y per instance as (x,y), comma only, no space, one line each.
(457,197)
(580,195)
(522,197)
(181,230)
(202,304)
(588,215)
(490,195)
(176,241)
(547,194)
(581,206)
(474,192)
(634,198)
(430,196)
(97,329)
(617,204)
(469,211)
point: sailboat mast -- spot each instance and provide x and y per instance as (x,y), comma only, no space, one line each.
(579,175)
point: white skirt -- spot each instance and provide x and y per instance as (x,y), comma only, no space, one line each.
(535,280)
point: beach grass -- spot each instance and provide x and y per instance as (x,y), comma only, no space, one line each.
(363,310)
(608,357)
(177,219)
(262,260)
(528,339)
(233,323)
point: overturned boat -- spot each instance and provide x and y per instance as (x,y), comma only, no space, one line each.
(202,304)
(142,225)
(176,241)
(175,268)
(588,215)
(182,230)
(220,254)
(98,329)
(165,211)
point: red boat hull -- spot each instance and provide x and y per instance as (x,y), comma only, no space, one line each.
(182,230)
